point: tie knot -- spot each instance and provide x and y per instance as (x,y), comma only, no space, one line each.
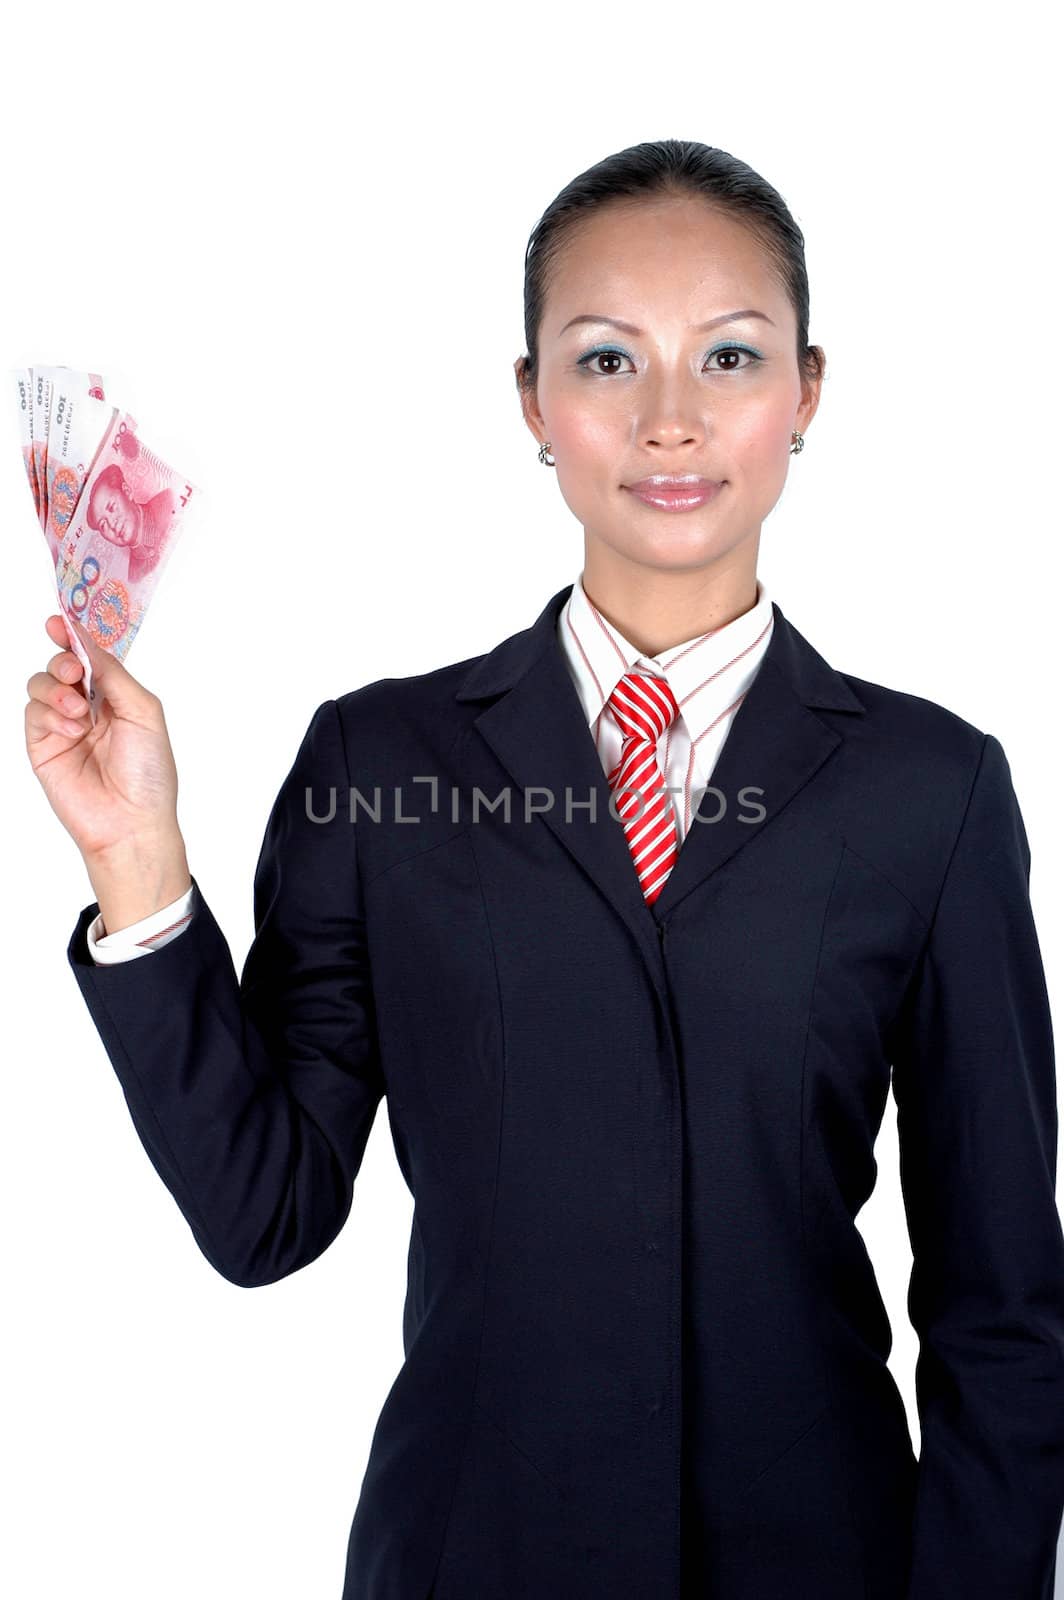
(644,706)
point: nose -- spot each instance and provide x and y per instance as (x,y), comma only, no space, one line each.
(673,435)
(674,418)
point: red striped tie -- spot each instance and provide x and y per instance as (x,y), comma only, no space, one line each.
(644,707)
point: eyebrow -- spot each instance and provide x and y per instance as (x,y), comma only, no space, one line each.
(701,327)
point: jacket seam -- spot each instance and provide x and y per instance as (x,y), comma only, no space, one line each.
(876,868)
(830,1392)
(474,1404)
(366,881)
(415,855)
(519,1449)
(774,1463)
(960,830)
(808,1030)
(925,945)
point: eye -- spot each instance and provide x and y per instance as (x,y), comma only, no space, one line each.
(731,351)
(734,350)
(606,353)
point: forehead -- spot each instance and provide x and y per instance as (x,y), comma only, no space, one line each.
(674,258)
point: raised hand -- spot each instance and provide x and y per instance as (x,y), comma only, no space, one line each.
(111,784)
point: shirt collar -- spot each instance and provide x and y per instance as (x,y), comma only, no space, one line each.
(707,674)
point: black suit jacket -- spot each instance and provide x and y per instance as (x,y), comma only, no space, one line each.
(645,1352)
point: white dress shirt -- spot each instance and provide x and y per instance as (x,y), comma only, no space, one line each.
(708,675)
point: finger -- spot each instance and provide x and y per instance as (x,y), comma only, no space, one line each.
(127,696)
(41,720)
(65,666)
(63,628)
(62,697)
(61,633)
(55,628)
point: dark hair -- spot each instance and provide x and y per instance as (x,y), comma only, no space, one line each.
(670,168)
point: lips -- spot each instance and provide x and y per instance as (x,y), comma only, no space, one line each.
(670,492)
(674,481)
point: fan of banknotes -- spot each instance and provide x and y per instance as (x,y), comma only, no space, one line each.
(109,508)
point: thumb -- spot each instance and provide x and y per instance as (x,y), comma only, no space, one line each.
(109,676)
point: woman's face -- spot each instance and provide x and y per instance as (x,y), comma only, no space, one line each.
(664,395)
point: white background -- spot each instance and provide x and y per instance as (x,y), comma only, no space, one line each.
(292,240)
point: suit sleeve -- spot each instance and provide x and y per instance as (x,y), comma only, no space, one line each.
(254,1099)
(975,1085)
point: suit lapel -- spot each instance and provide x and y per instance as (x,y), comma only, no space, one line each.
(535,726)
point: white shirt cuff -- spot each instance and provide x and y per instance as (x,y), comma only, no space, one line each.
(142,937)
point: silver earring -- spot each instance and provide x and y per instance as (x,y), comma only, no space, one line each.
(543,450)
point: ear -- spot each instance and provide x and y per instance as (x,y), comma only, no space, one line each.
(811,388)
(529,406)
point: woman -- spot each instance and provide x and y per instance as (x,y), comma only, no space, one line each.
(634,1073)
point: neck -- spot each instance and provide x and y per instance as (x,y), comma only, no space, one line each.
(657,610)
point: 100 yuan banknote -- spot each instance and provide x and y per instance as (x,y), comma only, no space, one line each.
(119,537)
(46,403)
